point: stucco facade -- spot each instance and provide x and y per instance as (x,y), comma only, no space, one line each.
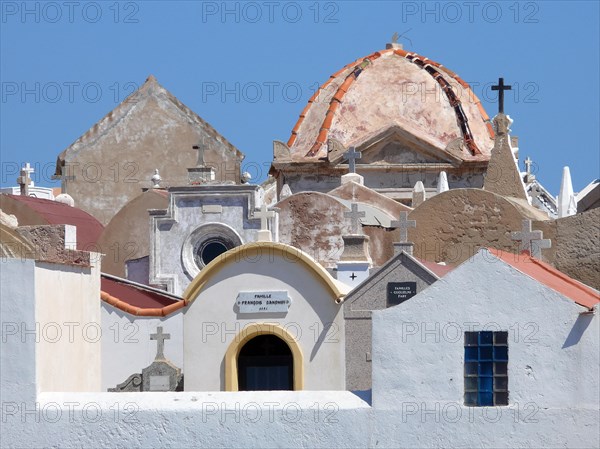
(196,214)
(213,323)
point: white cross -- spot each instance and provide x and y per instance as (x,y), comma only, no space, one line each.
(24,180)
(531,241)
(354,215)
(403,224)
(352,155)
(528,163)
(264,214)
(160,340)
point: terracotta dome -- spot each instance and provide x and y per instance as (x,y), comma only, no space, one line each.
(397,89)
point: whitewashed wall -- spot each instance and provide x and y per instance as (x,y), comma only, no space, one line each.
(126,344)
(418,358)
(567,415)
(314,319)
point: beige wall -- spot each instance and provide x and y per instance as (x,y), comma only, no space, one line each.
(68,318)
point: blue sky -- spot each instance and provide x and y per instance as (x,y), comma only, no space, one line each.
(248,68)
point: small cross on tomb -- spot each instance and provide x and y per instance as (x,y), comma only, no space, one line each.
(264,214)
(403,224)
(24,180)
(353,276)
(351,156)
(354,215)
(160,340)
(501,87)
(531,241)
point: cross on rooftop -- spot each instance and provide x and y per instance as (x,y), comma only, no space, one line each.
(528,163)
(201,149)
(403,224)
(501,87)
(24,180)
(351,156)
(264,214)
(531,241)
(354,215)
(160,340)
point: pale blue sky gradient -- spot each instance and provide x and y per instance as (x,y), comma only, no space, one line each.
(549,51)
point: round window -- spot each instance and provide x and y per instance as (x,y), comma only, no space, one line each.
(205,244)
(211,249)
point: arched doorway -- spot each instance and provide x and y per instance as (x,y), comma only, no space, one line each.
(265,362)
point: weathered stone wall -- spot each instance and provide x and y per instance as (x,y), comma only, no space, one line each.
(110,164)
(453,225)
(575,246)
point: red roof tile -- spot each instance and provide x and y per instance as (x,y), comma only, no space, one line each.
(137,299)
(436,268)
(88,228)
(550,277)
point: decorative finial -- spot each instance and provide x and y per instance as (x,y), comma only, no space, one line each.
(419,195)
(246,177)
(442,182)
(156,179)
(567,204)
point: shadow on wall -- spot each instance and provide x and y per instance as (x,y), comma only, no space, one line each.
(581,324)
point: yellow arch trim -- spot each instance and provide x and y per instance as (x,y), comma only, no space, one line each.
(255,251)
(248,333)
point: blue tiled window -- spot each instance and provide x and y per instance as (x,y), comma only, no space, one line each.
(486,368)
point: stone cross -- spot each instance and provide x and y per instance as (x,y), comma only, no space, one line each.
(24,180)
(201,150)
(351,156)
(403,224)
(354,215)
(531,241)
(528,163)
(160,340)
(264,214)
(501,87)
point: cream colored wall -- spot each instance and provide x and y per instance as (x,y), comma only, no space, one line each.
(69,327)
(211,323)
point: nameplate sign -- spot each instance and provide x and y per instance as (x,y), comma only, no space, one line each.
(264,302)
(398,292)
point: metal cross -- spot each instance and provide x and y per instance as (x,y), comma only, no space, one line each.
(501,88)
(24,180)
(531,241)
(264,214)
(403,224)
(354,215)
(160,340)
(351,156)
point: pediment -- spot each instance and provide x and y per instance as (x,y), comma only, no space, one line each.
(396,146)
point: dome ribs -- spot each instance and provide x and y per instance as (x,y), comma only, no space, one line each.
(320,121)
(359,66)
(431,67)
(312,99)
